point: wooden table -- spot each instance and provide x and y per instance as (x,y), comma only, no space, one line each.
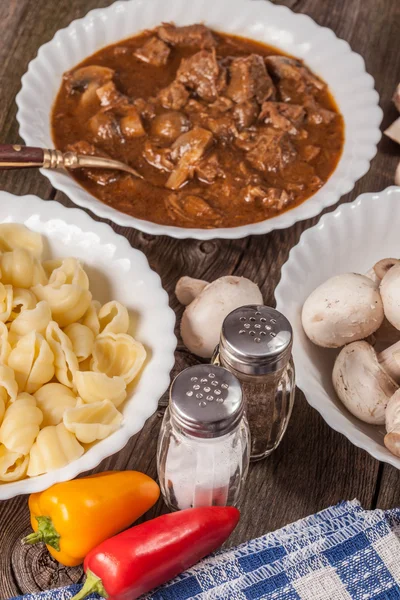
(314,466)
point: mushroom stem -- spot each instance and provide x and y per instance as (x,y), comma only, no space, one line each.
(188,288)
(379,270)
(390,361)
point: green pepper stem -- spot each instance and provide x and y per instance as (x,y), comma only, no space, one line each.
(92,585)
(46,533)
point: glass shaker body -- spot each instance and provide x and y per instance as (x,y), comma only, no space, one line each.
(204,444)
(266,373)
(200,472)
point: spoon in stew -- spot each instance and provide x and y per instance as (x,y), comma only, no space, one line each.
(21,157)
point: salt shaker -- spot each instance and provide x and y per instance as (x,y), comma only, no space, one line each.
(256,346)
(204,447)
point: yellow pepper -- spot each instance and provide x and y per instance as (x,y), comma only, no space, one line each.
(73,517)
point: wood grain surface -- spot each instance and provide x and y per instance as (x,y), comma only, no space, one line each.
(314,466)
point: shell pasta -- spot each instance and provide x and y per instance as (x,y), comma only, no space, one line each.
(65,359)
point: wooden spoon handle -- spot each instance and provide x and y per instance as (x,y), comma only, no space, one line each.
(19,157)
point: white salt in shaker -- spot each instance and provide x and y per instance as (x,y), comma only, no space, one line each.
(204,445)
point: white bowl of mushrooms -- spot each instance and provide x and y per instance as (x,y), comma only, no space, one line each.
(340,289)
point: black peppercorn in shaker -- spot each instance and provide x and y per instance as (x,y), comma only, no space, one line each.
(256,346)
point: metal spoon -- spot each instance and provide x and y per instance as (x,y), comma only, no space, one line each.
(20,157)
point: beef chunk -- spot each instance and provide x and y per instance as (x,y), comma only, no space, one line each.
(316,115)
(316,182)
(191,35)
(194,106)
(199,73)
(223,128)
(154,52)
(83,147)
(216,117)
(190,208)
(267,198)
(292,75)
(310,152)
(249,79)
(245,113)
(267,150)
(187,150)
(109,96)
(174,96)
(222,79)
(170,125)
(284,67)
(221,105)
(104,125)
(282,116)
(158,157)
(146,108)
(208,169)
(100,176)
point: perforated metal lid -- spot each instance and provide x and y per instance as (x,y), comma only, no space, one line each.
(206,401)
(256,340)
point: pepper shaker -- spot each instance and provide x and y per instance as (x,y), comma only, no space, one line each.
(204,447)
(256,346)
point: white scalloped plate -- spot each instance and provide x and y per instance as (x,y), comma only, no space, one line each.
(330,57)
(116,272)
(350,239)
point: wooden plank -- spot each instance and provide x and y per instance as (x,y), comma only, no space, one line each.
(314,466)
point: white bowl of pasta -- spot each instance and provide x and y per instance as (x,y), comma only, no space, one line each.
(86,343)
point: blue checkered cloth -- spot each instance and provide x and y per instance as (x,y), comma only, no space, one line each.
(341,553)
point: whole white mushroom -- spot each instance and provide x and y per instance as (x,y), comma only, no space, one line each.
(212,302)
(392,437)
(345,308)
(365,381)
(390,293)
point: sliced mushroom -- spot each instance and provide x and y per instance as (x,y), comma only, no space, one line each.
(390,294)
(363,381)
(392,437)
(345,308)
(86,80)
(203,317)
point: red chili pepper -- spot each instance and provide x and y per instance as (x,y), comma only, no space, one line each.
(141,558)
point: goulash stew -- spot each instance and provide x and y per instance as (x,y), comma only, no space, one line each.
(225,130)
